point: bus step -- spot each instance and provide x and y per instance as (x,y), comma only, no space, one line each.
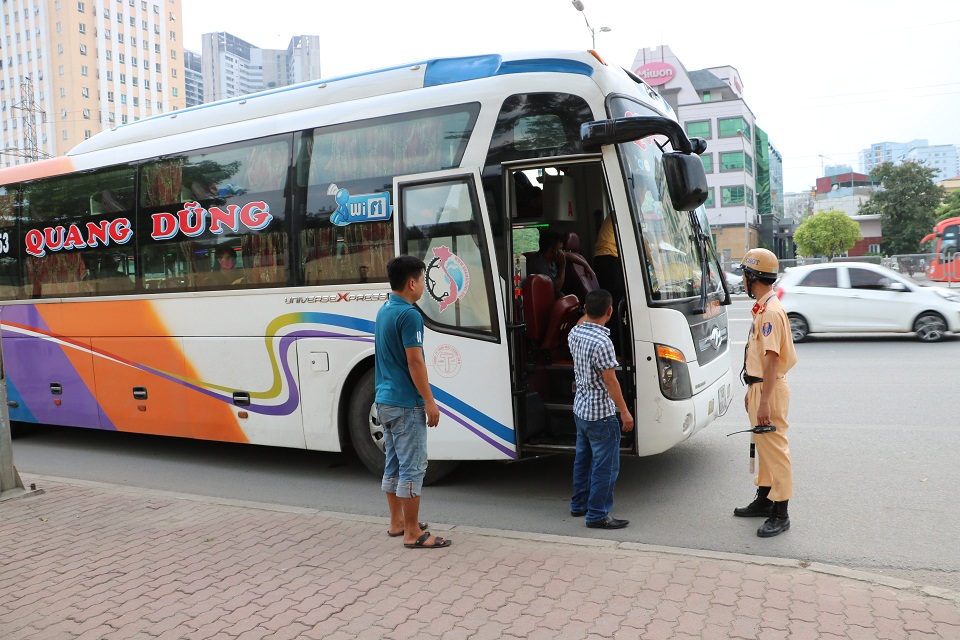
(556,406)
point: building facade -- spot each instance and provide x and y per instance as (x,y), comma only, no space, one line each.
(72,68)
(744,170)
(942,157)
(192,78)
(232,67)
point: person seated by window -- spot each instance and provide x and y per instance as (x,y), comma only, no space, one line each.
(551,260)
(225,270)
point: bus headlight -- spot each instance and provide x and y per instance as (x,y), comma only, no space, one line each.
(673,373)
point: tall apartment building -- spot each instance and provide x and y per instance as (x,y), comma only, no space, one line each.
(942,157)
(744,169)
(89,64)
(233,67)
(192,78)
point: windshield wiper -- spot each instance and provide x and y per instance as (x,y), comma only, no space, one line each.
(702,244)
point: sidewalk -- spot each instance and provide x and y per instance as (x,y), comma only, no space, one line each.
(97,562)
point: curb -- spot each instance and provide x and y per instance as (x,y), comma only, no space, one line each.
(613,545)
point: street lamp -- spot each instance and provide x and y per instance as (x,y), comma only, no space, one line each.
(593,32)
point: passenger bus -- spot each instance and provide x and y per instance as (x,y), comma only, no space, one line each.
(943,242)
(116,314)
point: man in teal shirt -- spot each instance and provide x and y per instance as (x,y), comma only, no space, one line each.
(405,403)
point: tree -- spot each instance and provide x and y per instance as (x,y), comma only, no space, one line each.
(907,203)
(828,233)
(950,207)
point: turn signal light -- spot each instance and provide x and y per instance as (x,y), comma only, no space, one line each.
(669,353)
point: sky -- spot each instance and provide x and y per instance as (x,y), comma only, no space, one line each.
(824,79)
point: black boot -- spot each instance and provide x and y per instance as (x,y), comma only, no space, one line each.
(759,508)
(777,523)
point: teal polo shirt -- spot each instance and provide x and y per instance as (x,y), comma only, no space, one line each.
(399,327)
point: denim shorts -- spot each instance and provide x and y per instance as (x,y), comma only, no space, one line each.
(405,441)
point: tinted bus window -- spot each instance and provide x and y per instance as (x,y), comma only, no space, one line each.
(345,177)
(538,125)
(77,234)
(216,218)
(11,284)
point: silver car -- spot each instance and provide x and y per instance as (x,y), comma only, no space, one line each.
(859,297)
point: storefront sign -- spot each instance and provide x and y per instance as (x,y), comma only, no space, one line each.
(656,73)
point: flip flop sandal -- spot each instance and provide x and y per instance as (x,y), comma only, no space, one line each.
(438,542)
(423,527)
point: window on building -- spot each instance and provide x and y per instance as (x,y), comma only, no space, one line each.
(63,114)
(83,28)
(60,49)
(731,127)
(135,81)
(133,21)
(110,76)
(80,7)
(109,96)
(699,129)
(86,114)
(133,60)
(123,78)
(84,70)
(175,92)
(173,73)
(136,101)
(122,57)
(706,97)
(123,98)
(707,160)
(83,49)
(709,202)
(119,37)
(750,201)
(85,92)
(173,36)
(731,196)
(86,134)
(109,54)
(146,83)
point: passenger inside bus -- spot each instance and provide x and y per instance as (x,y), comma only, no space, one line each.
(551,260)
(225,270)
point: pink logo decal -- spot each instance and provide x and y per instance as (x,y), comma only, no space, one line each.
(447,277)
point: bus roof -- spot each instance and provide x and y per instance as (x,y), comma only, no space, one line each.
(305,95)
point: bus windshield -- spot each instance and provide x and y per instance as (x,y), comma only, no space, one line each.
(670,246)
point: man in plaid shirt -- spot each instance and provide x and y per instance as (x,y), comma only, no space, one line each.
(597,463)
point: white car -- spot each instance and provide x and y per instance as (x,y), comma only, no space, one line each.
(734,282)
(859,297)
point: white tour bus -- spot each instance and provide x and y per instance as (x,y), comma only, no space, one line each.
(120,311)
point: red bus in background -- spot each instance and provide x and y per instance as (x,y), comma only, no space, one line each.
(944,242)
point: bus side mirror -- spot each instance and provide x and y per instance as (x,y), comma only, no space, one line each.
(686,180)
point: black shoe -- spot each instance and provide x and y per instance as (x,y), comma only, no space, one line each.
(759,508)
(578,514)
(777,523)
(608,523)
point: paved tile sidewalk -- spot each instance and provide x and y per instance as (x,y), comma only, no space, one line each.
(95,562)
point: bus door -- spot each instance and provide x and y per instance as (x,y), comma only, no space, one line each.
(563,202)
(442,219)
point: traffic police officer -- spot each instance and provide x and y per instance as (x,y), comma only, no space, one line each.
(768,357)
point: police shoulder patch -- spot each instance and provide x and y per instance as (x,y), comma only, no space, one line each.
(767,328)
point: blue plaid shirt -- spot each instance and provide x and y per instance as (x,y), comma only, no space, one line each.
(593,353)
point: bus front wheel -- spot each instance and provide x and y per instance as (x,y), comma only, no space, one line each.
(366,433)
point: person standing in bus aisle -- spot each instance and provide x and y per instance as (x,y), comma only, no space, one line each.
(768,356)
(609,270)
(551,260)
(404,402)
(598,395)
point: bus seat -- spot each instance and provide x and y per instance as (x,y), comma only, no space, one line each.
(563,316)
(548,320)
(577,281)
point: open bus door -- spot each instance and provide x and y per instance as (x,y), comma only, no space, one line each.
(441,218)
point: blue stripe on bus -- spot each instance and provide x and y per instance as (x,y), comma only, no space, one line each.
(496,428)
(450,70)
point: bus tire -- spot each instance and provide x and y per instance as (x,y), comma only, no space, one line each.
(366,433)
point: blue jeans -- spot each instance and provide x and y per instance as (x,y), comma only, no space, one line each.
(405,441)
(596,466)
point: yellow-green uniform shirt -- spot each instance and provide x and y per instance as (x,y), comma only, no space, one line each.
(770,332)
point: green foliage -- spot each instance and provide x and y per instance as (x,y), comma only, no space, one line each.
(950,207)
(829,233)
(907,204)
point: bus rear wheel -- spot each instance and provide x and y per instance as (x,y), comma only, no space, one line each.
(366,433)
